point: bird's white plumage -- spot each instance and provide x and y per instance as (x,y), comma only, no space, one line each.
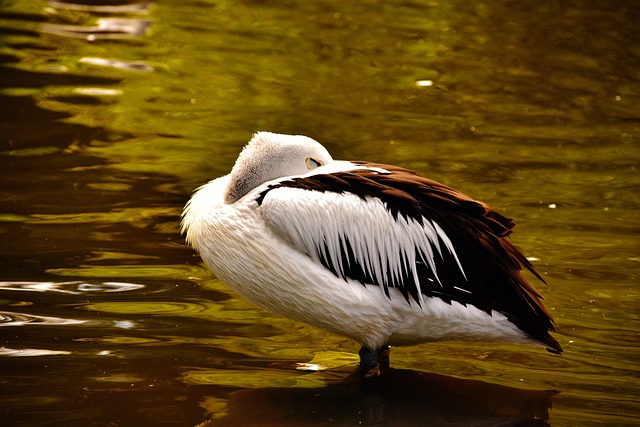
(313,222)
(268,252)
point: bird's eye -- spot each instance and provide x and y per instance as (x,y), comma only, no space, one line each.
(313,163)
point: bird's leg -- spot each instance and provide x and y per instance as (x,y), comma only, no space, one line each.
(372,362)
(368,359)
(383,356)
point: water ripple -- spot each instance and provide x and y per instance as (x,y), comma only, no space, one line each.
(115,63)
(73,287)
(27,352)
(8,318)
(105,29)
(138,7)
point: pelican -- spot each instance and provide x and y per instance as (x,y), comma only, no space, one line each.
(372,252)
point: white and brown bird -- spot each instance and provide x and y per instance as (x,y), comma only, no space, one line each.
(373,252)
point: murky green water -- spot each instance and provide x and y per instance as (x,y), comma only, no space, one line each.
(112,113)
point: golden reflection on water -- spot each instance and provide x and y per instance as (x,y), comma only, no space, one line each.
(117,271)
(262,378)
(122,307)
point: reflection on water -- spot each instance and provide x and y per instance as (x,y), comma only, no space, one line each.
(75,287)
(19,319)
(125,65)
(28,352)
(400,397)
(111,114)
(105,28)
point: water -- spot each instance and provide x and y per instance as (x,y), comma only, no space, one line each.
(112,113)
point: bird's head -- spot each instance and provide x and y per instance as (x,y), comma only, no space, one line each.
(270,156)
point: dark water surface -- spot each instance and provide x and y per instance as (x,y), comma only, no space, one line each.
(112,113)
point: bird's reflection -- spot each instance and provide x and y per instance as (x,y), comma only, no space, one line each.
(397,398)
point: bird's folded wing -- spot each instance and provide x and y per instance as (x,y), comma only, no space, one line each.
(387,226)
(374,240)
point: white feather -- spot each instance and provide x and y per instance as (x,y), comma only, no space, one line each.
(309,220)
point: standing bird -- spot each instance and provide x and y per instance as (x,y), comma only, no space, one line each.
(373,252)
